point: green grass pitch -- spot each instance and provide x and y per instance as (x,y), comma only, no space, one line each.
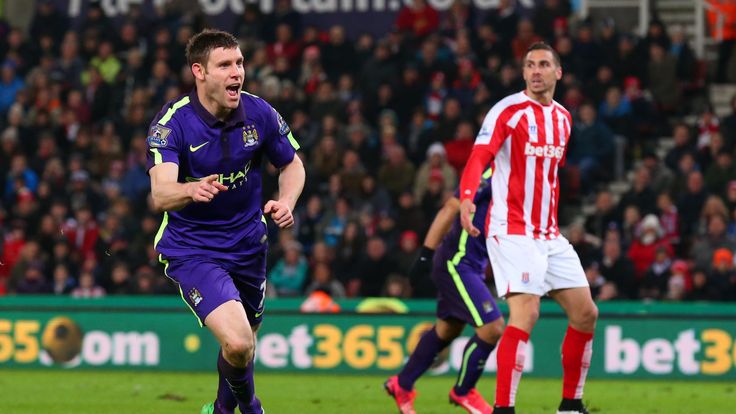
(146,392)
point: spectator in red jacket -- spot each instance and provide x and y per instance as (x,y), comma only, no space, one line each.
(419,19)
(644,249)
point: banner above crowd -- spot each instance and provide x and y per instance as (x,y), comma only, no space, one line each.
(358,16)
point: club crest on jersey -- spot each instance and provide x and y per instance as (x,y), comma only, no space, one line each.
(525,277)
(250,136)
(195,296)
(157,136)
(533,132)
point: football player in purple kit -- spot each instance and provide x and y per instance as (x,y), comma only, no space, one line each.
(204,158)
(458,270)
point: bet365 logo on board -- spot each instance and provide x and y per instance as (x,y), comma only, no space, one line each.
(61,341)
(711,352)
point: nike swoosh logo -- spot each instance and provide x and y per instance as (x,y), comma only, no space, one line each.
(258,314)
(195,149)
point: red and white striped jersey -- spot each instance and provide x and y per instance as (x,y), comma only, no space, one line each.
(527,143)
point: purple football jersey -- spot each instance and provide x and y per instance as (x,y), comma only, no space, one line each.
(231,226)
(473,249)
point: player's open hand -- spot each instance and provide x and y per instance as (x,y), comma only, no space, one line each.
(204,190)
(467,209)
(280,213)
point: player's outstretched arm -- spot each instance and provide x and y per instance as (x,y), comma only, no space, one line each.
(291,183)
(168,194)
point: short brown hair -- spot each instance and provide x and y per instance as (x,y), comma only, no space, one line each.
(543,46)
(204,42)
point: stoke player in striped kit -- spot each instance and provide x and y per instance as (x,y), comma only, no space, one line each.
(525,136)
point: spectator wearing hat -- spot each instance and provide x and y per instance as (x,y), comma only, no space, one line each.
(722,277)
(436,166)
(643,251)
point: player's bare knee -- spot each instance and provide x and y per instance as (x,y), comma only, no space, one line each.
(239,351)
(491,332)
(591,315)
(497,328)
(586,318)
(531,316)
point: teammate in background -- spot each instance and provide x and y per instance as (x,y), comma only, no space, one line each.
(205,151)
(525,135)
(458,270)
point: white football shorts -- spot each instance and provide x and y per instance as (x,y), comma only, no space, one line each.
(522,264)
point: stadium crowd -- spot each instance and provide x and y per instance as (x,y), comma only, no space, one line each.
(385,125)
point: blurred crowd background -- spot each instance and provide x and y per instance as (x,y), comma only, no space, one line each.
(385,125)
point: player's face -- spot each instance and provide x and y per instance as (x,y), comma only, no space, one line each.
(224,77)
(541,73)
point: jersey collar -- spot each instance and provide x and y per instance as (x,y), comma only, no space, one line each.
(236,117)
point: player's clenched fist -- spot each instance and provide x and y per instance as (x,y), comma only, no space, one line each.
(467,209)
(280,213)
(204,190)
